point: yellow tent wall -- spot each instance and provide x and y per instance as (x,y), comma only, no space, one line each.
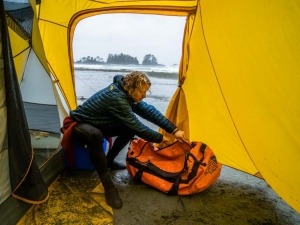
(239,77)
(242,88)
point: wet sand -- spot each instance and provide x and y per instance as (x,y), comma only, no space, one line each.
(236,198)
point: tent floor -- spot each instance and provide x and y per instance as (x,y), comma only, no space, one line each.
(12,209)
(76,197)
(236,198)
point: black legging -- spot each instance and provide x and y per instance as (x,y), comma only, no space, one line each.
(93,138)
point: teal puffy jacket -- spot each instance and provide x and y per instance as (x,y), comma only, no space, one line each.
(112,108)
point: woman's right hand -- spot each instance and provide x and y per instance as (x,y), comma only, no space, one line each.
(179,135)
(166,140)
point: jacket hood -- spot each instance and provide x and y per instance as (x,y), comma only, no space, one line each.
(118,79)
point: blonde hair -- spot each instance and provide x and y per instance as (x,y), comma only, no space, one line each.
(135,81)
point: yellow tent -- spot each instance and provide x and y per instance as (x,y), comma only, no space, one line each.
(239,77)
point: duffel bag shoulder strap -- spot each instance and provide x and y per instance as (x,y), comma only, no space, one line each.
(186,147)
(196,163)
(202,169)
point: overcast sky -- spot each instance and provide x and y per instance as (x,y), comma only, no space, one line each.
(132,34)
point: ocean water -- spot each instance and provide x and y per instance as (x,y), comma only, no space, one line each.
(165,69)
(89,81)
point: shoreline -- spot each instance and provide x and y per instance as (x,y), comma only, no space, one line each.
(170,75)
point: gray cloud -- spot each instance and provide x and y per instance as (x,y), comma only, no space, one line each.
(132,34)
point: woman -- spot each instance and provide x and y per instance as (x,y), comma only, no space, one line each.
(111,112)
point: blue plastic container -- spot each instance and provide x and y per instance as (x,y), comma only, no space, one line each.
(82,156)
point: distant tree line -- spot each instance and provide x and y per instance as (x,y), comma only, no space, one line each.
(91,60)
(124,59)
(121,59)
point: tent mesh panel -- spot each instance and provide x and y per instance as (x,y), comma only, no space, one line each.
(42,117)
(20,20)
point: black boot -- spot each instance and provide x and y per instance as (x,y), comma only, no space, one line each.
(120,142)
(111,193)
(113,199)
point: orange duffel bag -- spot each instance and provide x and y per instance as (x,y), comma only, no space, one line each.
(180,168)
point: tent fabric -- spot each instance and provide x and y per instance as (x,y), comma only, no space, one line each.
(243,75)
(22,15)
(177,108)
(238,79)
(5,189)
(24,175)
(236,93)
(42,117)
(38,97)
